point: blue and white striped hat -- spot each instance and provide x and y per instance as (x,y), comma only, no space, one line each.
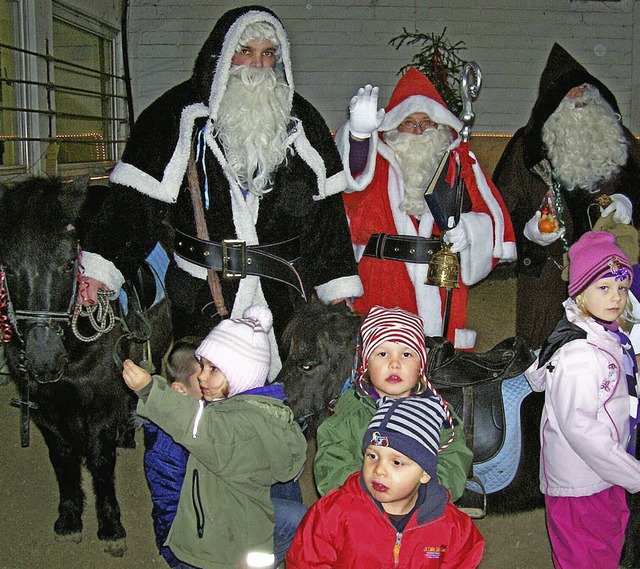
(410,425)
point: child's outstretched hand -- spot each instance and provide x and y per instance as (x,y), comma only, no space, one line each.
(135,376)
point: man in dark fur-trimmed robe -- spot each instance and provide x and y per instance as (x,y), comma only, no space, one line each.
(268,173)
(573,149)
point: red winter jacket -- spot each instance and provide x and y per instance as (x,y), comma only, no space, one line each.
(345,529)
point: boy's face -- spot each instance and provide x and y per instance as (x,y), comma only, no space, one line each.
(213,383)
(392,478)
(394,369)
(191,386)
(606,298)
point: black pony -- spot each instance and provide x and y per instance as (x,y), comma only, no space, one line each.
(71,388)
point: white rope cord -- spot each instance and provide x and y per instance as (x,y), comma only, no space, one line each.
(100,315)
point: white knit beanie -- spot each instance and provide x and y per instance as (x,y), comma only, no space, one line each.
(239,348)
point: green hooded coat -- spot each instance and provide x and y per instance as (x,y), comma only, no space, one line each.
(239,447)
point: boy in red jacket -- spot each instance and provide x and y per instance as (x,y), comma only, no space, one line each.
(394,512)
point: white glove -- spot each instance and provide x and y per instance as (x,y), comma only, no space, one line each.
(620,207)
(533,233)
(364,116)
(456,236)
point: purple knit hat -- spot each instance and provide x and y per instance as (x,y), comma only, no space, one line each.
(594,256)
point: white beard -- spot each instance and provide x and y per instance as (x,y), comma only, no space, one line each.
(585,141)
(252,126)
(418,158)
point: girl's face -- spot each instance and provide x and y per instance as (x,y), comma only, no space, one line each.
(394,370)
(606,298)
(213,383)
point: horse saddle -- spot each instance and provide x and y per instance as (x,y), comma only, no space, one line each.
(451,368)
(471,384)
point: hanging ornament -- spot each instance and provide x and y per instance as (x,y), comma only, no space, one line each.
(548,216)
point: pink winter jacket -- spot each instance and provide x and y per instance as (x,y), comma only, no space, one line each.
(585,422)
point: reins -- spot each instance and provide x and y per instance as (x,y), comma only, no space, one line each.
(100,316)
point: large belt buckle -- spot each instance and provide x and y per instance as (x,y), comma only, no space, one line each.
(234,244)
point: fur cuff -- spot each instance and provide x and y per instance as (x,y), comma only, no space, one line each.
(194,270)
(465,339)
(362,181)
(102,270)
(476,261)
(509,253)
(335,184)
(344,287)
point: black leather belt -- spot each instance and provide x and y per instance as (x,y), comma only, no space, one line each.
(235,259)
(407,248)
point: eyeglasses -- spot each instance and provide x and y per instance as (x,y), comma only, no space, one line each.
(422,125)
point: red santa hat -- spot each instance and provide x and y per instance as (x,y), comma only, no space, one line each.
(415,93)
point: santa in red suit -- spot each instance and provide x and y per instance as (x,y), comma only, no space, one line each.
(391,157)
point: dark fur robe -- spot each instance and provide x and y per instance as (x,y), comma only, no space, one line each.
(541,290)
(150,182)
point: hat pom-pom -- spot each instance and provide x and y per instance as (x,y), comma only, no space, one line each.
(260,314)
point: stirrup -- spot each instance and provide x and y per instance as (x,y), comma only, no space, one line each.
(475,485)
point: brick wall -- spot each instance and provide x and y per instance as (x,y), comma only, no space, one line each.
(338,45)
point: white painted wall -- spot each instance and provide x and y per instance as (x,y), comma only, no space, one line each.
(106,11)
(339,45)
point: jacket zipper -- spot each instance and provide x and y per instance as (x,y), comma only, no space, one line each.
(396,546)
(396,550)
(196,421)
(197,503)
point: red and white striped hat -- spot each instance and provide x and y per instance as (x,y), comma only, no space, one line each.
(392,325)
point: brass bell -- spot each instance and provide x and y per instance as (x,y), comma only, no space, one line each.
(443,269)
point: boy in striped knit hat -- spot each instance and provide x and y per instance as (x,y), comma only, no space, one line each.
(394,512)
(394,357)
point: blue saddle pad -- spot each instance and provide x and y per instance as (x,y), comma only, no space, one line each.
(158,260)
(498,472)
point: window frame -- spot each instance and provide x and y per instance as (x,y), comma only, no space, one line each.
(36,152)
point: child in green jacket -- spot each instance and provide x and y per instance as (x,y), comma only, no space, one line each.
(239,446)
(394,356)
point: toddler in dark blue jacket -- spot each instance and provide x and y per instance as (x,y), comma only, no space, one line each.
(165,461)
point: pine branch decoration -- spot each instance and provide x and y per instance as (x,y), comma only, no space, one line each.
(438,59)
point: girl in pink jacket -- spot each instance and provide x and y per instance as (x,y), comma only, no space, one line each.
(588,371)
